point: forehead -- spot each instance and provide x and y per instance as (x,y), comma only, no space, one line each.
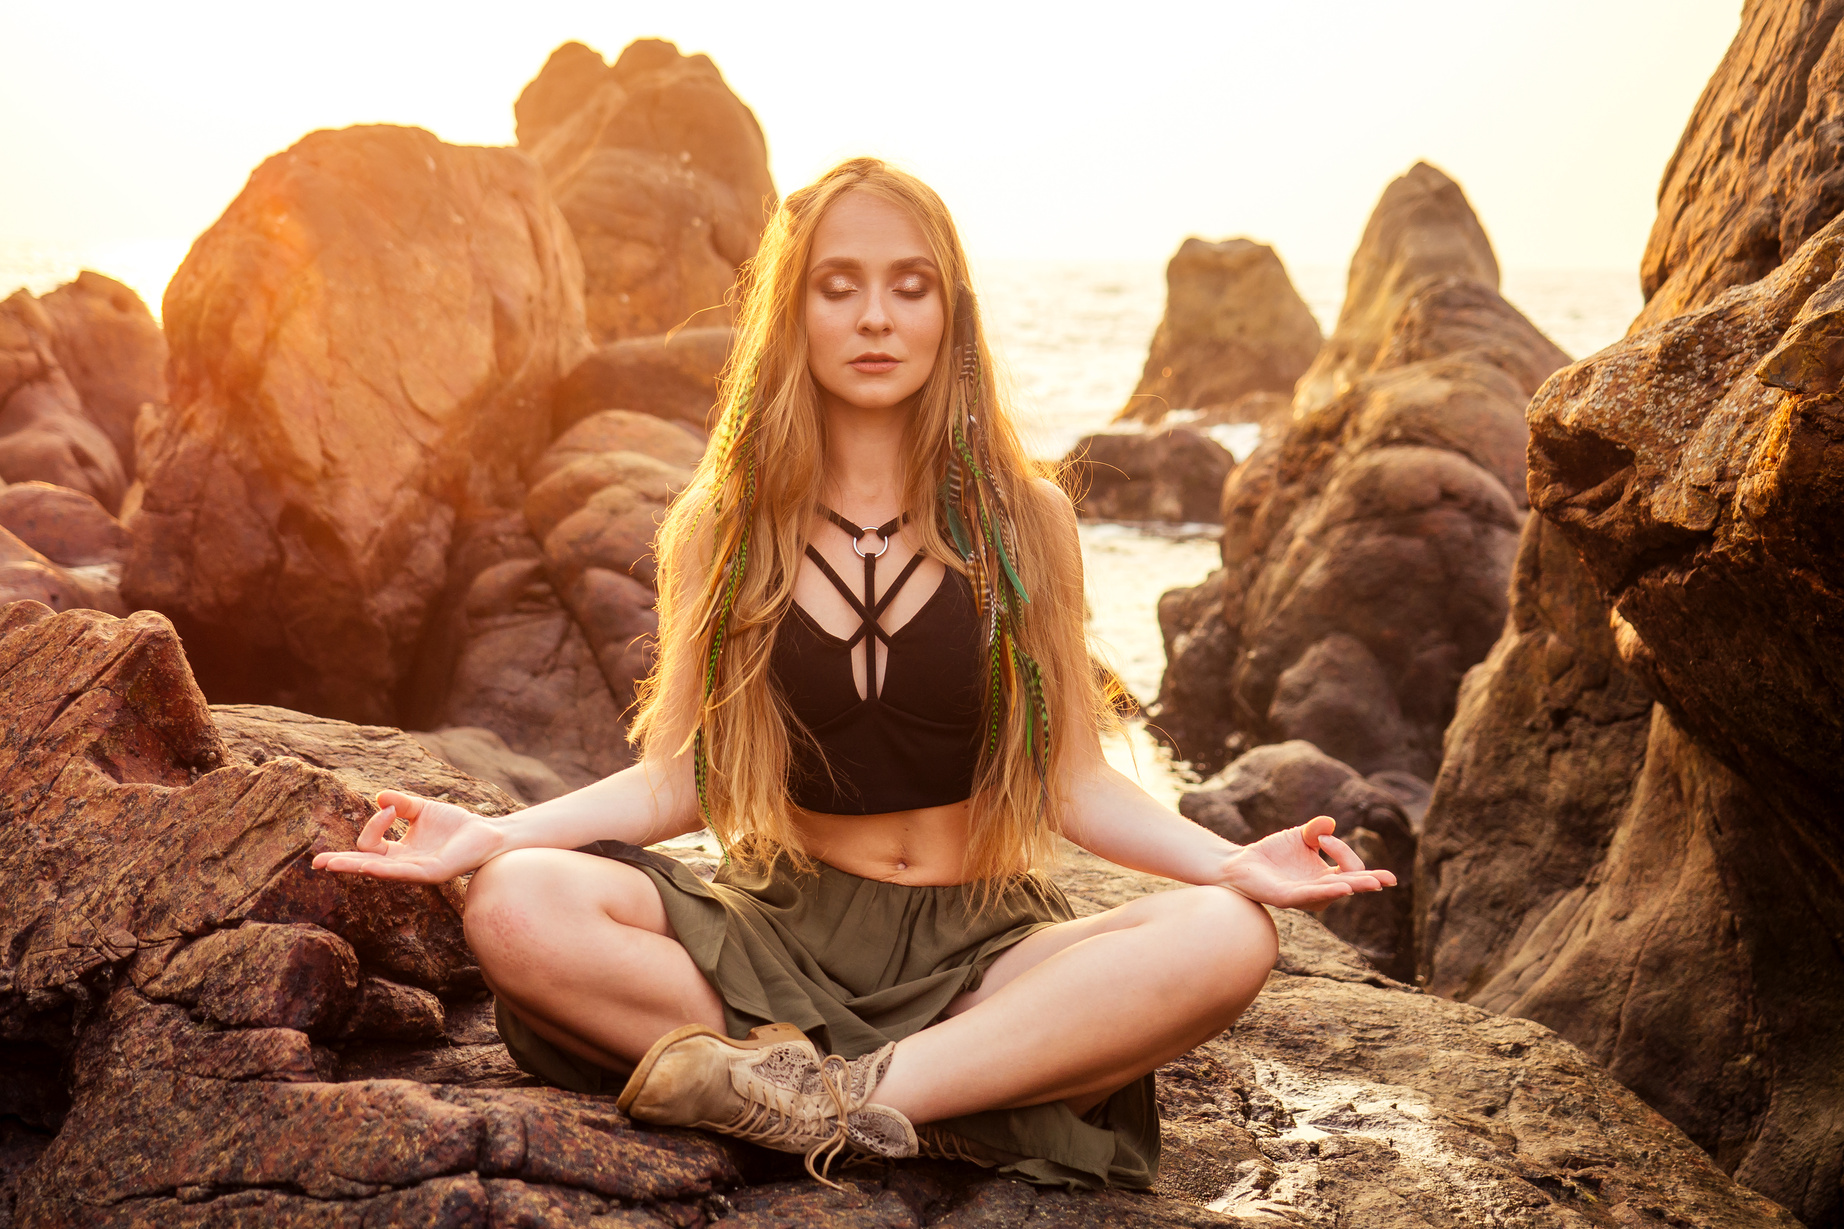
(865,227)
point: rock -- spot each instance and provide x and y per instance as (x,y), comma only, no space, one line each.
(482,753)
(45,435)
(27,575)
(671,376)
(645,480)
(261,975)
(1367,546)
(614,527)
(373,303)
(1341,1094)
(1170,475)
(1282,785)
(527,673)
(617,617)
(620,431)
(113,352)
(68,527)
(1687,478)
(1759,169)
(663,174)
(1233,326)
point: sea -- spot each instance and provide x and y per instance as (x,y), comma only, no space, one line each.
(1069,339)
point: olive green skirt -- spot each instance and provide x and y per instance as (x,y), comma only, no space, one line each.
(856,963)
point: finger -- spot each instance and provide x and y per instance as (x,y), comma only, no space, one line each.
(408,805)
(1342,854)
(1318,895)
(1317,828)
(379,867)
(371,839)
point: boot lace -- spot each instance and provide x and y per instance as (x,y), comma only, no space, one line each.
(770,1120)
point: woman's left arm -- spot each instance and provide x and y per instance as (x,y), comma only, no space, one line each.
(1109,815)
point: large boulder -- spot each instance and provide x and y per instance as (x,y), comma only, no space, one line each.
(1233,326)
(1174,474)
(672,375)
(46,434)
(114,353)
(663,174)
(172,978)
(364,351)
(1367,546)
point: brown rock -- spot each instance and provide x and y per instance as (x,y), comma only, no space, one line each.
(617,616)
(1233,325)
(262,975)
(671,376)
(402,308)
(482,753)
(27,575)
(113,352)
(68,527)
(640,480)
(1170,475)
(1366,548)
(45,434)
(663,174)
(1282,785)
(1759,169)
(394,1012)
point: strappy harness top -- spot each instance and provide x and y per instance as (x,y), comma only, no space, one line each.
(911,742)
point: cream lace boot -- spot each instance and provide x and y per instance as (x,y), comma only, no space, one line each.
(773,1089)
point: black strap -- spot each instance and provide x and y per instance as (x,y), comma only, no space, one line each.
(872,607)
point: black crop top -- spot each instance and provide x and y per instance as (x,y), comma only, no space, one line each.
(914,741)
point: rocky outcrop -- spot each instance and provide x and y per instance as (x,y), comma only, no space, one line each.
(1688,476)
(1233,326)
(1366,548)
(1174,474)
(364,351)
(112,351)
(672,375)
(46,432)
(484,754)
(171,974)
(1759,169)
(663,175)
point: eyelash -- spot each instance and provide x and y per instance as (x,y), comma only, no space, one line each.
(916,289)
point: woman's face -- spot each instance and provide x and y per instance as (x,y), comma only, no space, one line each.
(875,308)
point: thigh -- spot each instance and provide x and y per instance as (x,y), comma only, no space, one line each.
(1040,946)
(538,887)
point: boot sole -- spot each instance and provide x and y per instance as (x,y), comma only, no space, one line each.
(760,1037)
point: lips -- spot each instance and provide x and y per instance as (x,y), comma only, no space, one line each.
(874,362)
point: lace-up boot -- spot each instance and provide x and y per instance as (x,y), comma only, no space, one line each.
(774,1089)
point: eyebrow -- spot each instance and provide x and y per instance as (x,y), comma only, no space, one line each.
(847,262)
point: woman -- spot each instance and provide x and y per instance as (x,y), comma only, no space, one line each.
(886,760)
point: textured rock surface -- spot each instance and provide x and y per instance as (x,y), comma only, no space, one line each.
(1689,476)
(672,375)
(45,433)
(364,350)
(150,872)
(68,527)
(1174,474)
(1759,169)
(1233,325)
(482,753)
(1281,785)
(663,174)
(1366,549)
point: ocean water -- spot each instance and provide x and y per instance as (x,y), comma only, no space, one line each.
(1070,339)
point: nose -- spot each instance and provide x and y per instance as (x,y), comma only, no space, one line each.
(874,320)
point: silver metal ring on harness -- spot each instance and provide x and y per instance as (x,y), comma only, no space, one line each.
(864,529)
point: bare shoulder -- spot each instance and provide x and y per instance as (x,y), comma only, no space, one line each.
(1054,501)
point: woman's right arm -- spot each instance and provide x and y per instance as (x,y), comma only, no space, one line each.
(649,802)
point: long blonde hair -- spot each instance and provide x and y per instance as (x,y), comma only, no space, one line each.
(733,541)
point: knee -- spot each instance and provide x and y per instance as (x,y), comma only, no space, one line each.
(1232,938)
(503,899)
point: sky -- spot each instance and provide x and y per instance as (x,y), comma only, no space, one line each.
(1069,131)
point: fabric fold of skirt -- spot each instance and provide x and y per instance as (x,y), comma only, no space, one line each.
(856,963)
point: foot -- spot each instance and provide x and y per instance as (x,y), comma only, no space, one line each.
(773,1088)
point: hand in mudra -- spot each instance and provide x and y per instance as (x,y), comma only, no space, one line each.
(1285,869)
(443,841)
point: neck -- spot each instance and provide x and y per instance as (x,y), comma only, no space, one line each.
(864,475)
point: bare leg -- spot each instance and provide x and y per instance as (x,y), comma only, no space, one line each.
(580,949)
(1079,1009)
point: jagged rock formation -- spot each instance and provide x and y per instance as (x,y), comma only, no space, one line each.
(663,175)
(672,375)
(1366,549)
(364,348)
(75,367)
(172,975)
(1174,474)
(1233,326)
(59,547)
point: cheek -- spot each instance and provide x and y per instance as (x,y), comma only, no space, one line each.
(827,325)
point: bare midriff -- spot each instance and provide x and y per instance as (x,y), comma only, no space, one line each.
(925,847)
